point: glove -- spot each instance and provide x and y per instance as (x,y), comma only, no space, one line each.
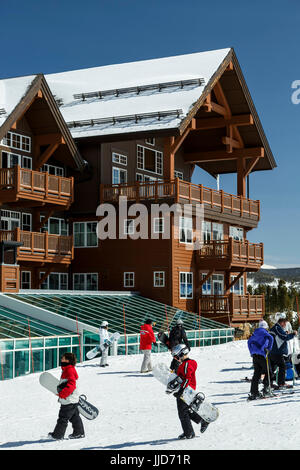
(61,386)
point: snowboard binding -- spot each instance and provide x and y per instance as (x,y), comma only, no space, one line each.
(174,385)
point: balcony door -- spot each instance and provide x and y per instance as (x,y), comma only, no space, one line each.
(218,284)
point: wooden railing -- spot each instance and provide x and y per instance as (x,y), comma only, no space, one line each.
(233,251)
(40,246)
(250,307)
(184,192)
(30,184)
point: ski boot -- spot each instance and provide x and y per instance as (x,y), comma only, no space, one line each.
(76,436)
(183,436)
(253,396)
(267,392)
(50,435)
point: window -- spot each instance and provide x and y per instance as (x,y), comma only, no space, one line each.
(26,222)
(236,233)
(119,176)
(10,220)
(149,160)
(55,281)
(150,141)
(85,281)
(159,225)
(17,141)
(159,279)
(238,287)
(206,231)
(25,280)
(129,225)
(85,234)
(178,174)
(55,226)
(186,229)
(10,160)
(214,285)
(217,231)
(53,170)
(128,279)
(118,158)
(186,285)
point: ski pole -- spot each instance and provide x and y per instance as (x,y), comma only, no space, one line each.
(268,371)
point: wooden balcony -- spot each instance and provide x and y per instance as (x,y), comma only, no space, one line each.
(232,308)
(19,184)
(40,247)
(184,192)
(231,254)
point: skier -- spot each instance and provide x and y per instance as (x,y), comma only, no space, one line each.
(103,335)
(259,344)
(177,336)
(68,398)
(147,338)
(186,371)
(279,350)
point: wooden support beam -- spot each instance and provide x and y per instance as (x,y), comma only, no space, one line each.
(231,142)
(217,123)
(215,155)
(250,166)
(46,155)
(179,140)
(235,281)
(47,139)
(44,277)
(169,158)
(208,275)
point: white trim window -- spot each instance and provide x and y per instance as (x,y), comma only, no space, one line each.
(158,225)
(236,233)
(85,234)
(25,280)
(55,226)
(186,230)
(178,174)
(150,141)
(55,281)
(11,220)
(17,141)
(238,287)
(186,285)
(26,222)
(149,160)
(206,231)
(10,160)
(129,226)
(119,158)
(53,169)
(119,176)
(85,281)
(214,285)
(217,231)
(128,279)
(159,278)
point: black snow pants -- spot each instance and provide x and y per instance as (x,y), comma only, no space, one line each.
(185,416)
(68,413)
(277,360)
(260,368)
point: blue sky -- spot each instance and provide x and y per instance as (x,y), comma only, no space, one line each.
(52,36)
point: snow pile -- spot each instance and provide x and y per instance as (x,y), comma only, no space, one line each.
(136,414)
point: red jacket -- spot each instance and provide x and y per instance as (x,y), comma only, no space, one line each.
(147,337)
(69,373)
(186,371)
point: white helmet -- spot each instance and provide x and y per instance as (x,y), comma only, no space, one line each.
(104,323)
(263,324)
(180,350)
(281,316)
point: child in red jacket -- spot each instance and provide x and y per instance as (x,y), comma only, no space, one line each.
(68,398)
(147,337)
(187,372)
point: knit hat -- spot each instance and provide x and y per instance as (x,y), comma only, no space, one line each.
(263,324)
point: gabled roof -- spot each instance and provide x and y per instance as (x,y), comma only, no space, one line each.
(17,95)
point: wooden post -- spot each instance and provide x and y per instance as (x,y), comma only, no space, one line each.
(169,159)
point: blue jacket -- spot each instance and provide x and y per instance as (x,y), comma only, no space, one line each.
(280,340)
(259,341)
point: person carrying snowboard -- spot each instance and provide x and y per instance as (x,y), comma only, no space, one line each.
(279,349)
(259,345)
(103,335)
(187,372)
(68,398)
(177,336)
(147,337)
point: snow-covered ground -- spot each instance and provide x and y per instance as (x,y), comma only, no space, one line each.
(136,414)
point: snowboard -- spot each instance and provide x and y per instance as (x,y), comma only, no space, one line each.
(99,349)
(196,401)
(85,408)
(163,338)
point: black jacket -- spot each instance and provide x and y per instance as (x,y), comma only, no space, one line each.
(178,336)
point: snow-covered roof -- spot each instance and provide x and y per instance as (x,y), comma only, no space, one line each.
(12,91)
(147,103)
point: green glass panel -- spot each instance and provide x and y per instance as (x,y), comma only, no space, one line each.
(22,344)
(37,343)
(51,342)
(133,339)
(75,340)
(62,351)
(6,365)
(51,358)
(21,363)
(37,360)
(65,341)
(6,345)
(76,351)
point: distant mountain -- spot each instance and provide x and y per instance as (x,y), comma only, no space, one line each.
(271,276)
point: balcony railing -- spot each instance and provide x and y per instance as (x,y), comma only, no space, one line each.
(20,183)
(230,253)
(183,192)
(38,246)
(232,307)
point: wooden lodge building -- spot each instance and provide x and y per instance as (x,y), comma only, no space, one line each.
(71,141)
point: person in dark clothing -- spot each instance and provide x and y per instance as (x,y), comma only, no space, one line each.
(68,397)
(177,336)
(279,349)
(259,344)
